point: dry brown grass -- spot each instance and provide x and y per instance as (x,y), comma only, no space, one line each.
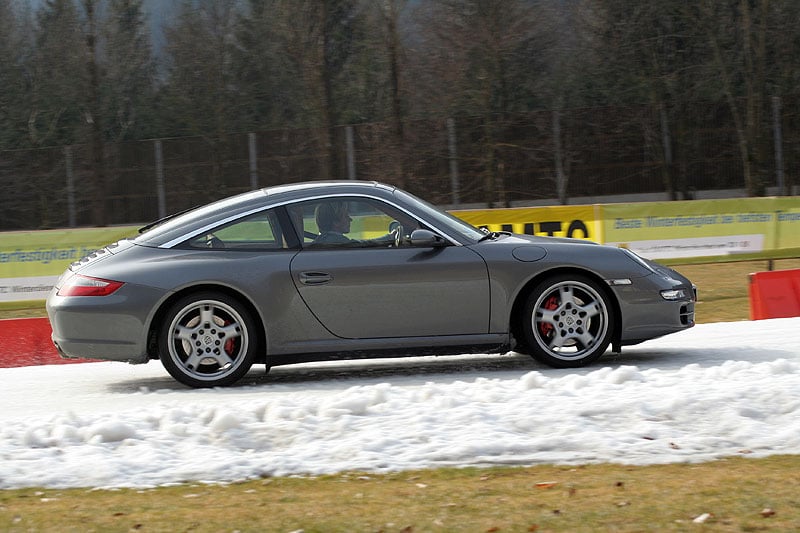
(723,287)
(736,495)
(27,309)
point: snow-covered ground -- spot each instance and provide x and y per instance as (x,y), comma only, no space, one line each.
(713,391)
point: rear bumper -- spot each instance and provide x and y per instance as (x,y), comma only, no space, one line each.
(110,328)
(98,350)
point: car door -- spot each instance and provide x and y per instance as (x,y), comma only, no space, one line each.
(363,292)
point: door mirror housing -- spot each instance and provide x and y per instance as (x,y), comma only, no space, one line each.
(424,237)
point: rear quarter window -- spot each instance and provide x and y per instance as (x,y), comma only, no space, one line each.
(260,231)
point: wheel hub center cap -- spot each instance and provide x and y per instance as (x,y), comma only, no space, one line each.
(570,321)
(208,340)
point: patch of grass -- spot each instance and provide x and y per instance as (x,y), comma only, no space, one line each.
(26,309)
(737,495)
(723,287)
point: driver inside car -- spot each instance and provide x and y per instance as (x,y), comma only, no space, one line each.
(333,221)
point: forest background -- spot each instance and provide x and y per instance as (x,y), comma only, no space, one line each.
(118,111)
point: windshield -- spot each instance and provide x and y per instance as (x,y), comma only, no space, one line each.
(444,220)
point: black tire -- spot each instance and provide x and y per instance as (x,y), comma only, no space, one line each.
(568,321)
(208,339)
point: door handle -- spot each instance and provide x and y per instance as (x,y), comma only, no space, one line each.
(315,278)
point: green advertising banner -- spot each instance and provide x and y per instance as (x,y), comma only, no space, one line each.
(31,261)
(704,228)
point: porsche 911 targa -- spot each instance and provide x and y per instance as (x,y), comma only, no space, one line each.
(340,270)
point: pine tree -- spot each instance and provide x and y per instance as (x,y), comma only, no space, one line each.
(13,54)
(129,72)
(198,93)
(59,79)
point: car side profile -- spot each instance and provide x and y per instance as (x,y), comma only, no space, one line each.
(348,269)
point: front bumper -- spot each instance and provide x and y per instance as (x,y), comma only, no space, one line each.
(647,315)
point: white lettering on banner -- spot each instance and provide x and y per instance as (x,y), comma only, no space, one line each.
(695,247)
(17,289)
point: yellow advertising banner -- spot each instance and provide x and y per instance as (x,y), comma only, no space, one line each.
(577,222)
(704,228)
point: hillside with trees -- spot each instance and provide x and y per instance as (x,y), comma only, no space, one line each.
(461,101)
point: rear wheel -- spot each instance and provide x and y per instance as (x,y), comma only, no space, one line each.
(208,340)
(568,321)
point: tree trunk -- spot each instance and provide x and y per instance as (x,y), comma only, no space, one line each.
(94,118)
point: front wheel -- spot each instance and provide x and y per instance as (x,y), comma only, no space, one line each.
(207,340)
(568,321)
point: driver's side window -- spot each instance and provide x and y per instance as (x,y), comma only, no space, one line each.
(350,222)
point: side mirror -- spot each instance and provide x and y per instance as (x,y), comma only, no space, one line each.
(423,237)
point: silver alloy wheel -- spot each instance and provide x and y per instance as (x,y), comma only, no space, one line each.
(570,320)
(208,340)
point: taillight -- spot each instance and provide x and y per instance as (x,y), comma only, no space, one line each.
(79,285)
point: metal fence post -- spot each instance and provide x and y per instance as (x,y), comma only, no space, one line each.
(71,211)
(251,141)
(561,177)
(162,197)
(351,156)
(776,125)
(455,187)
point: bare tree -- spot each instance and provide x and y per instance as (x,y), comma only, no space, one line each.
(650,56)
(200,95)
(59,78)
(388,28)
(472,46)
(269,81)
(14,54)
(737,31)
(318,38)
(94,118)
(129,71)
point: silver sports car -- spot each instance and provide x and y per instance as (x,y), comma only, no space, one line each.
(349,269)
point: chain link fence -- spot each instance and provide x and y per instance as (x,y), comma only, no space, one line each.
(489,161)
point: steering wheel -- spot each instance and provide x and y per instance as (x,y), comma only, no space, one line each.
(397,231)
(212,241)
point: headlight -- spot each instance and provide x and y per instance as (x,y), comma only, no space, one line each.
(673,294)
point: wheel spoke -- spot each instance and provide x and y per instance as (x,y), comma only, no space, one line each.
(567,294)
(193,361)
(231,331)
(548,316)
(206,315)
(585,340)
(558,340)
(591,309)
(185,334)
(222,359)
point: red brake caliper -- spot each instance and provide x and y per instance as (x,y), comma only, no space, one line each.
(229,345)
(545,327)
